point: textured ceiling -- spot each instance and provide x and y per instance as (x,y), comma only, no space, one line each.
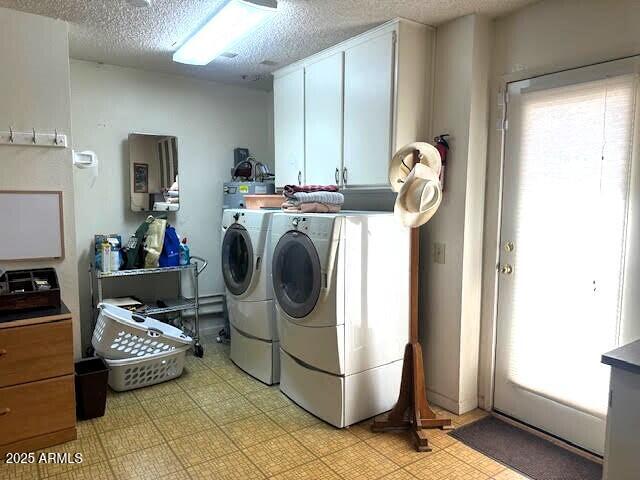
(112,31)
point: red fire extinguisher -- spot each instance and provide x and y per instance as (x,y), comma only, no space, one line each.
(443,148)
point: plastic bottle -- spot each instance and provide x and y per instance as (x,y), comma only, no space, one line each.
(105,249)
(185,256)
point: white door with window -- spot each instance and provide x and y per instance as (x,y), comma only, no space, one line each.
(567,169)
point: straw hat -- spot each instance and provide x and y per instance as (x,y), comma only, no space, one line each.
(420,192)
(402,162)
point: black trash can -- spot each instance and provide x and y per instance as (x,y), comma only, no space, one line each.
(92,375)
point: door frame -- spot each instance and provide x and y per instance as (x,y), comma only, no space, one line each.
(493,216)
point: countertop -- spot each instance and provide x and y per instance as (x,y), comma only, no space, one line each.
(626,357)
(41,313)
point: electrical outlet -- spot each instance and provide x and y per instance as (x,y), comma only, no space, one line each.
(438,253)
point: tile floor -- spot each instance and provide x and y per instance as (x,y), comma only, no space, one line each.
(215,422)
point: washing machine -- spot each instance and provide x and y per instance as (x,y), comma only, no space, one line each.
(246,269)
(341,284)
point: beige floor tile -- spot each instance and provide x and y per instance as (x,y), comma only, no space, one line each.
(197,378)
(268,399)
(362,430)
(120,442)
(443,466)
(98,471)
(231,410)
(396,446)
(212,394)
(230,467)
(157,391)
(216,360)
(440,438)
(121,417)
(168,405)
(183,424)
(475,459)
(89,447)
(315,470)
(399,475)
(120,399)
(229,372)
(292,418)
(359,461)
(202,446)
(509,475)
(470,417)
(322,439)
(246,384)
(149,464)
(194,364)
(278,455)
(18,471)
(85,428)
(179,475)
(252,431)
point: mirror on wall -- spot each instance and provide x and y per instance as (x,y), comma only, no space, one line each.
(153,167)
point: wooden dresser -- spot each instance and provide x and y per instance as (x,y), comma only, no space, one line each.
(37,393)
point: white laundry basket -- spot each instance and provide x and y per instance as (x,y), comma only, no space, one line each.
(138,372)
(119,334)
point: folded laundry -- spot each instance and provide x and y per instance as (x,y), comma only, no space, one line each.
(335,198)
(289,190)
(311,207)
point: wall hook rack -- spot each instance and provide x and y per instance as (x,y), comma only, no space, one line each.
(33,139)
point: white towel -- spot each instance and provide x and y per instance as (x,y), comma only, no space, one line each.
(334,198)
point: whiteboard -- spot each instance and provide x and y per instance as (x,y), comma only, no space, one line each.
(31,225)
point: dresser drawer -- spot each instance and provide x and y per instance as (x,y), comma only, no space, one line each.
(35,352)
(37,408)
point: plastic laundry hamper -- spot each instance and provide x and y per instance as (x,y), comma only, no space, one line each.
(138,372)
(119,334)
(139,351)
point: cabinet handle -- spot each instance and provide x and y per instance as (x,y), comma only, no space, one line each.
(299,177)
(344,175)
(337,176)
(4,411)
(2,352)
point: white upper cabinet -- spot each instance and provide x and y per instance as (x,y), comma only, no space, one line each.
(368,99)
(355,104)
(288,113)
(323,120)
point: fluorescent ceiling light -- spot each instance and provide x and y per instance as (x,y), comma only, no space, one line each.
(235,19)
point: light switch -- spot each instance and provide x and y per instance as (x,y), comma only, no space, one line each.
(439,253)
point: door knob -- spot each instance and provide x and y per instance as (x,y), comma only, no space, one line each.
(506,269)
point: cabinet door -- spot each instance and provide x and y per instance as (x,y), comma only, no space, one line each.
(288,111)
(323,121)
(368,98)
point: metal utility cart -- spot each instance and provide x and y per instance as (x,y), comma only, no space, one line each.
(179,304)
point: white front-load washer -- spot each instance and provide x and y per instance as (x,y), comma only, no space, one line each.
(341,284)
(246,269)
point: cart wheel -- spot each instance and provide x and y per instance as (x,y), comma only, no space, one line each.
(198,351)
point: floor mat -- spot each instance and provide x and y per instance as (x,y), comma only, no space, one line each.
(525,452)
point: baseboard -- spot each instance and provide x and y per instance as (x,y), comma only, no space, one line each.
(451,405)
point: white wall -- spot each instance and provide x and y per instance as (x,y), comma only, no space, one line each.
(545,37)
(209,120)
(34,93)
(450,303)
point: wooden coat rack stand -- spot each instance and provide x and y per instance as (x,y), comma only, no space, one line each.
(412,411)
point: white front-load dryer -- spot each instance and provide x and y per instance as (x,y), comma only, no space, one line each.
(341,284)
(246,269)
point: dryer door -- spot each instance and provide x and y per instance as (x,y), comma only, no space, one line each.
(237,259)
(297,276)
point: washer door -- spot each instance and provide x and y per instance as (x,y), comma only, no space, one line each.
(297,275)
(237,259)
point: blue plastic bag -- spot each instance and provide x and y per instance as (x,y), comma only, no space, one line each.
(170,256)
